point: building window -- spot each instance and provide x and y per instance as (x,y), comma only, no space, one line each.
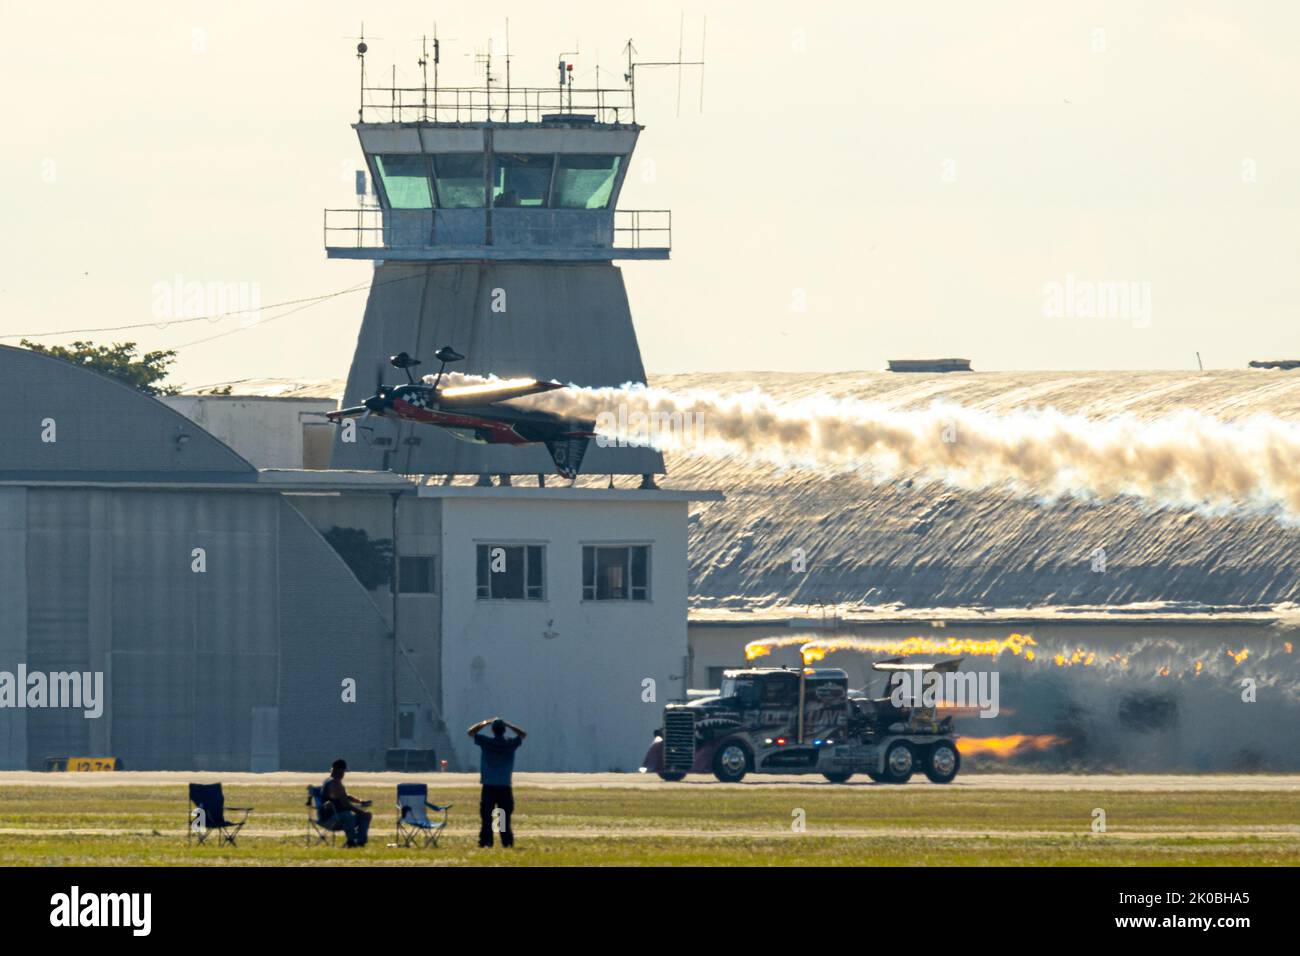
(406,180)
(418,574)
(458,178)
(511,572)
(616,573)
(521,179)
(585,182)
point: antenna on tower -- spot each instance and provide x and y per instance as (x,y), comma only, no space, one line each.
(362,49)
(630,76)
(566,75)
(681,33)
(704,26)
(424,76)
(424,62)
(486,60)
(361,59)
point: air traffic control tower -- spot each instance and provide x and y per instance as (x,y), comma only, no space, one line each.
(495,231)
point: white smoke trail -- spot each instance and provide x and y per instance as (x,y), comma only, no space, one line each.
(1185,458)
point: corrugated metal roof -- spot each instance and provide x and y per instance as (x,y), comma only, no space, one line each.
(913,544)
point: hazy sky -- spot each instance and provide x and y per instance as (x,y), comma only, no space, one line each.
(867,180)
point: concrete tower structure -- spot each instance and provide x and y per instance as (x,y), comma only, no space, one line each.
(495,232)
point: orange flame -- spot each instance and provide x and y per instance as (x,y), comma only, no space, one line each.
(817,650)
(1009,746)
(764,646)
(1080,656)
(1237,658)
(1287,647)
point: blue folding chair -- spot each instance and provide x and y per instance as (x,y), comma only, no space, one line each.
(209,814)
(413,823)
(320,828)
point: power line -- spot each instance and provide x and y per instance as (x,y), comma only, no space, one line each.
(308,304)
(245,328)
(216,317)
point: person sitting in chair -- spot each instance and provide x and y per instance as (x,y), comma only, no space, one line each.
(343,811)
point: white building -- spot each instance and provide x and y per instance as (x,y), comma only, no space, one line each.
(564,610)
(561,609)
(292,430)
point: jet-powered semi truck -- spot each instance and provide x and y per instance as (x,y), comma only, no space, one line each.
(785,720)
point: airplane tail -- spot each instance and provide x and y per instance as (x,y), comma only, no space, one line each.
(567,452)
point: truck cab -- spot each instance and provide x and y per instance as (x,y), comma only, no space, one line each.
(799,721)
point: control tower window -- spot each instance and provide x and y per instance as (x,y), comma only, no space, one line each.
(585,182)
(521,179)
(406,180)
(458,177)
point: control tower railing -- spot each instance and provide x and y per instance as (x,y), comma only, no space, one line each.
(395,104)
(370,232)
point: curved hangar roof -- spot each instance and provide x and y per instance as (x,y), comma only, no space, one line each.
(100,429)
(912,545)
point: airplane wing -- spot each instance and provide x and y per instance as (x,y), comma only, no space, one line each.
(356,411)
(487,393)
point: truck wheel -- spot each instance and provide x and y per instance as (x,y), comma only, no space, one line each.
(837,777)
(731,762)
(900,761)
(942,762)
(877,777)
(671,777)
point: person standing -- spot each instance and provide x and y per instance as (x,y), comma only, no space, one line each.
(496,768)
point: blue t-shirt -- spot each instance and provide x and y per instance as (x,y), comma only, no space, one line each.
(498,759)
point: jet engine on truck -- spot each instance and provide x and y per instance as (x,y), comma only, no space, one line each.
(804,720)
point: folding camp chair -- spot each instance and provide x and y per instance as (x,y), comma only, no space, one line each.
(413,823)
(320,829)
(209,814)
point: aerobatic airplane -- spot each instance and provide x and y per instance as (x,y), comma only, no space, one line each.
(474,413)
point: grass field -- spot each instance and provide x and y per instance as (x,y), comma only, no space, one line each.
(112,824)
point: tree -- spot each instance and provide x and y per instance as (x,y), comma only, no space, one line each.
(117,361)
(371,559)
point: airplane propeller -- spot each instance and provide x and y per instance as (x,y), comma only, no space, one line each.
(379,400)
